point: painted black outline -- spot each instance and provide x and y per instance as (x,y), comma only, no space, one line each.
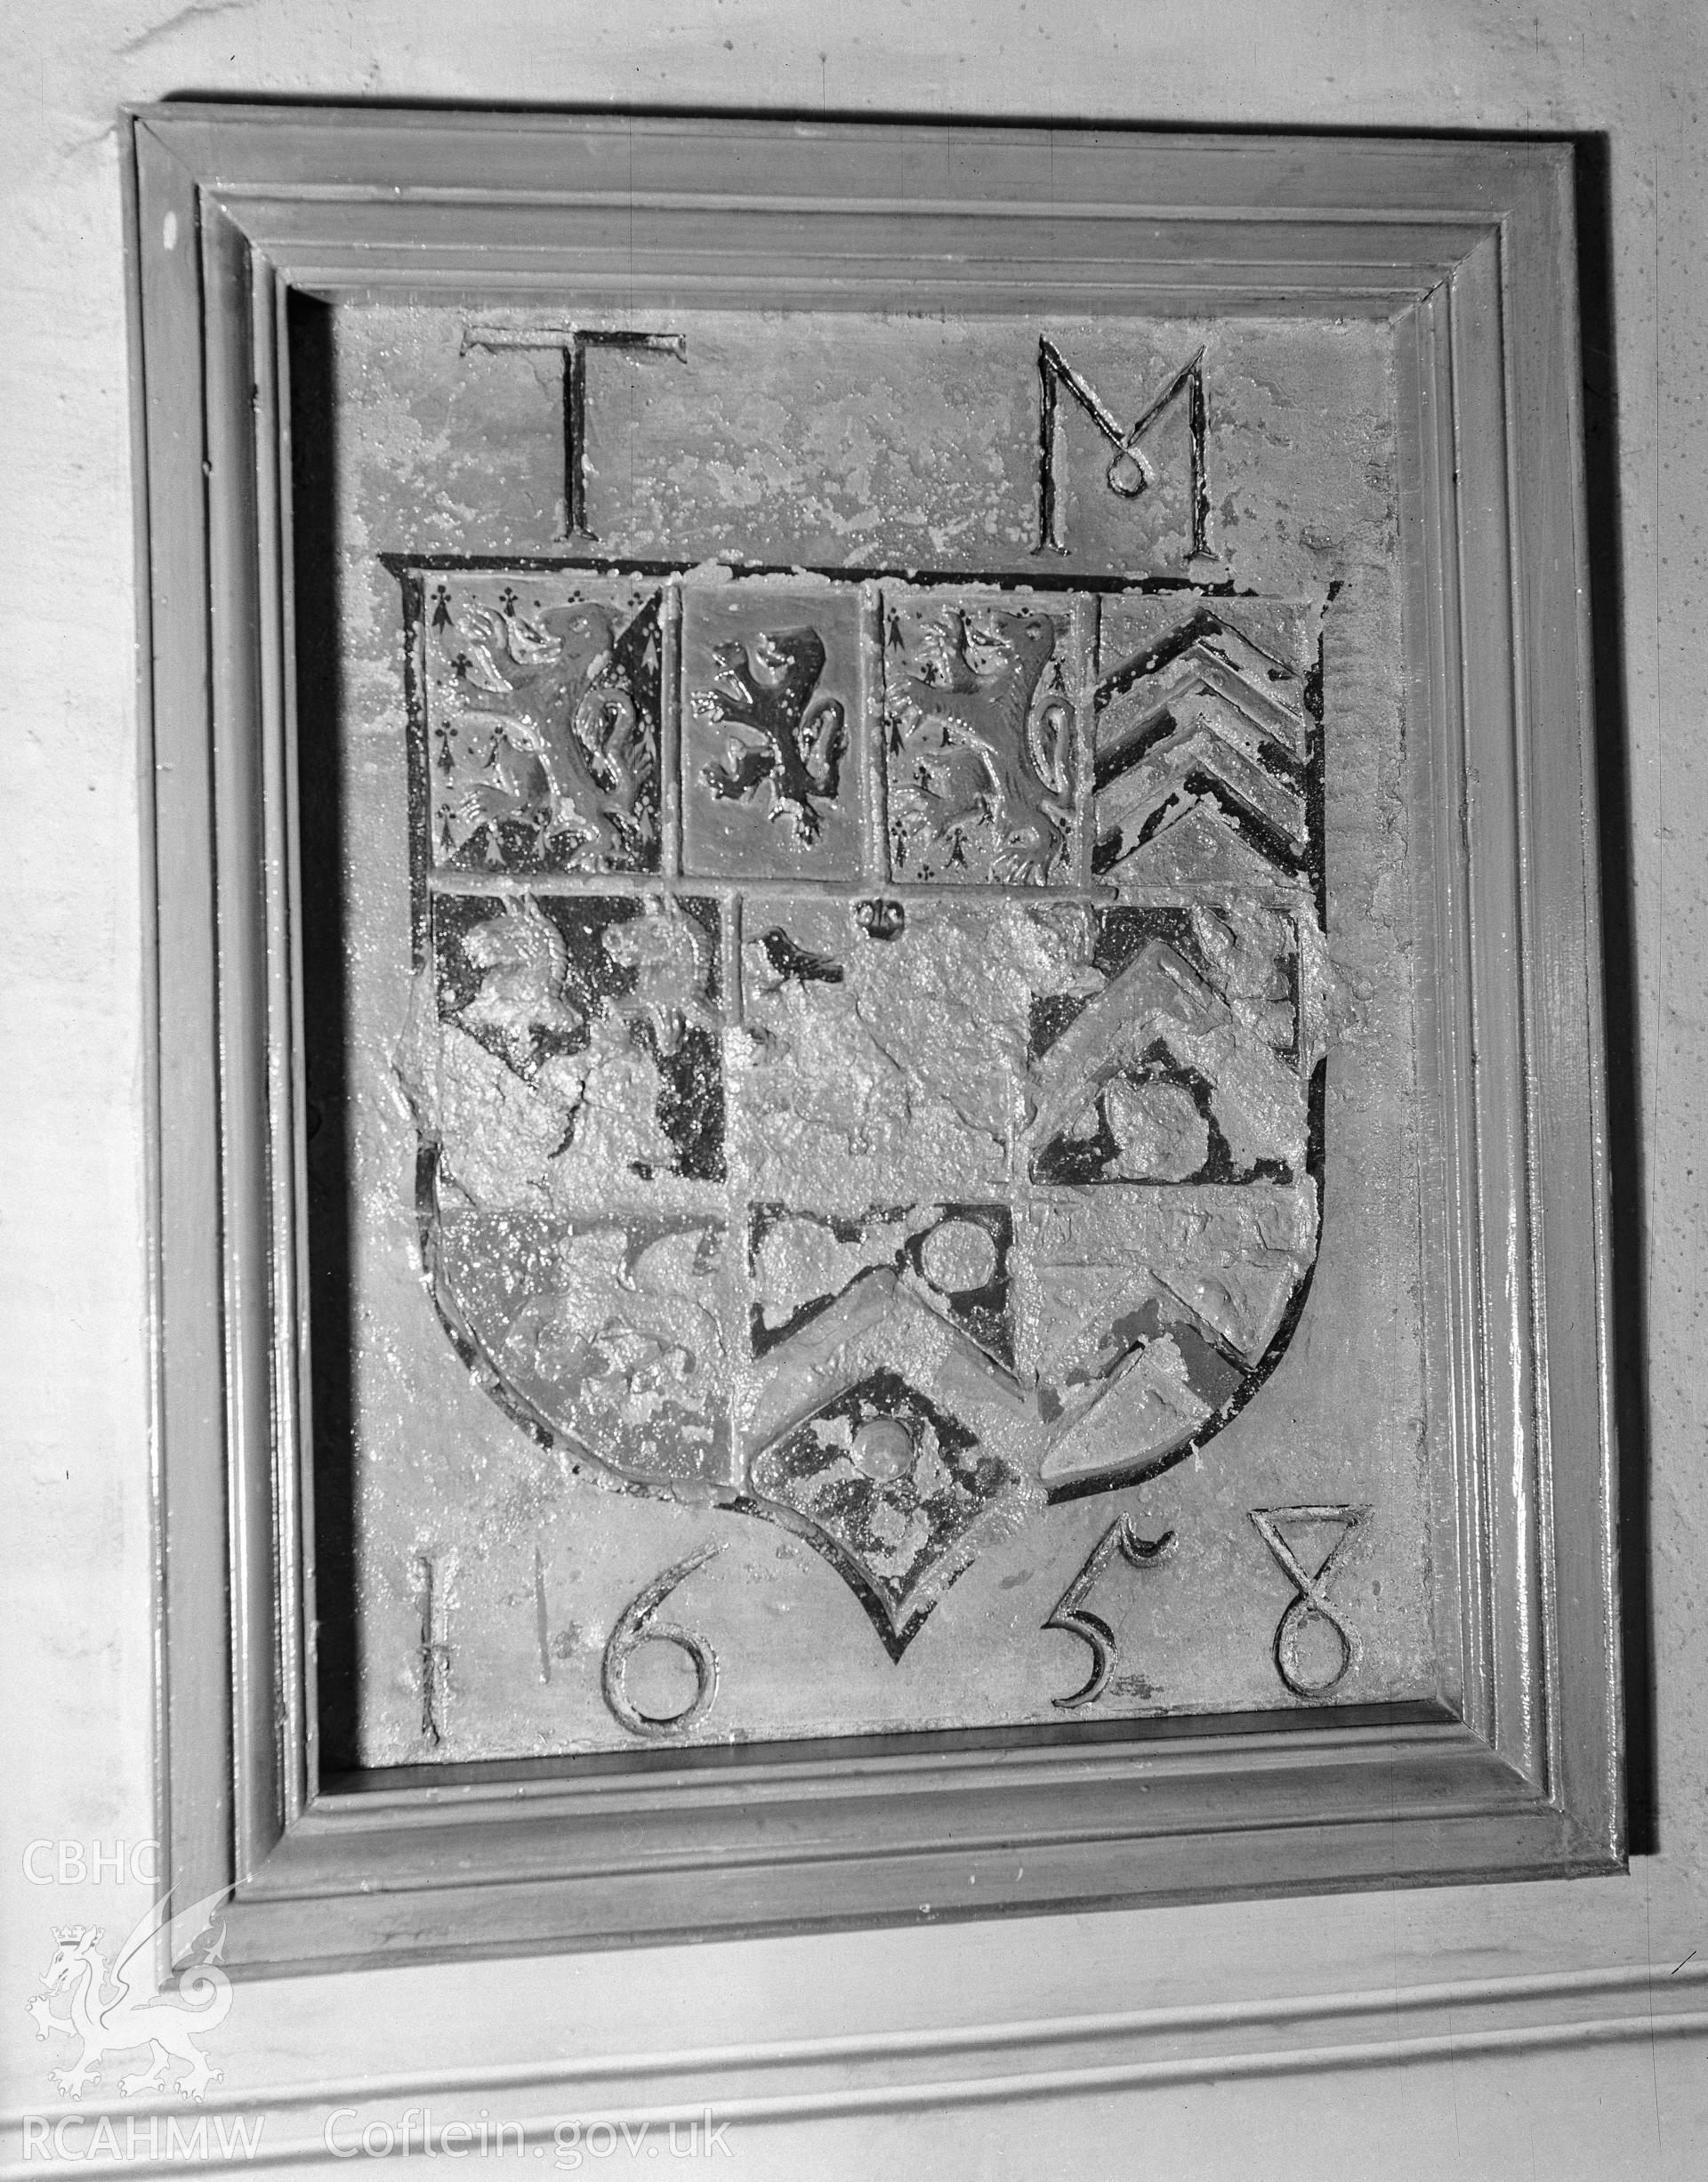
(618,564)
(418,787)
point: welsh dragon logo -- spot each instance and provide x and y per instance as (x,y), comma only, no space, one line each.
(114,2011)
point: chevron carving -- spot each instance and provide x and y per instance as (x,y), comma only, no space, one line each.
(1206,726)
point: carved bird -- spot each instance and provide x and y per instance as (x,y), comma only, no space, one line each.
(789,961)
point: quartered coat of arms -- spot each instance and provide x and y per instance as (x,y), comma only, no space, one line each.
(867,1046)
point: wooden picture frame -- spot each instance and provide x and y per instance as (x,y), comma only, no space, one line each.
(1467,249)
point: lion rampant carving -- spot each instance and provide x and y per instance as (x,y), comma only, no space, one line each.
(570,753)
(783,735)
(1000,758)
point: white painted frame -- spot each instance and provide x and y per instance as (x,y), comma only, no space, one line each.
(1468,249)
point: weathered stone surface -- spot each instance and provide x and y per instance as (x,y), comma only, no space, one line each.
(610,1335)
(888,1055)
(903,1078)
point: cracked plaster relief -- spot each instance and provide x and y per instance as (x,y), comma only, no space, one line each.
(890,1055)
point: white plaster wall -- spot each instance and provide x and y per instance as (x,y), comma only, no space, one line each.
(74,1523)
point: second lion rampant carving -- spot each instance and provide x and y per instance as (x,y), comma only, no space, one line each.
(785,737)
(981,736)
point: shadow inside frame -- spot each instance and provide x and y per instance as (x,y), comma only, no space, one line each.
(1629,1303)
(328,1118)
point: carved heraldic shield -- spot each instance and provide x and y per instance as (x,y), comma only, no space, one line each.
(868,1046)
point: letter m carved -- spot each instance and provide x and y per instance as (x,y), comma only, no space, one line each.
(1130,472)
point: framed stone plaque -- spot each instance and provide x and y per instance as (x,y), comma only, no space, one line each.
(880,1184)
